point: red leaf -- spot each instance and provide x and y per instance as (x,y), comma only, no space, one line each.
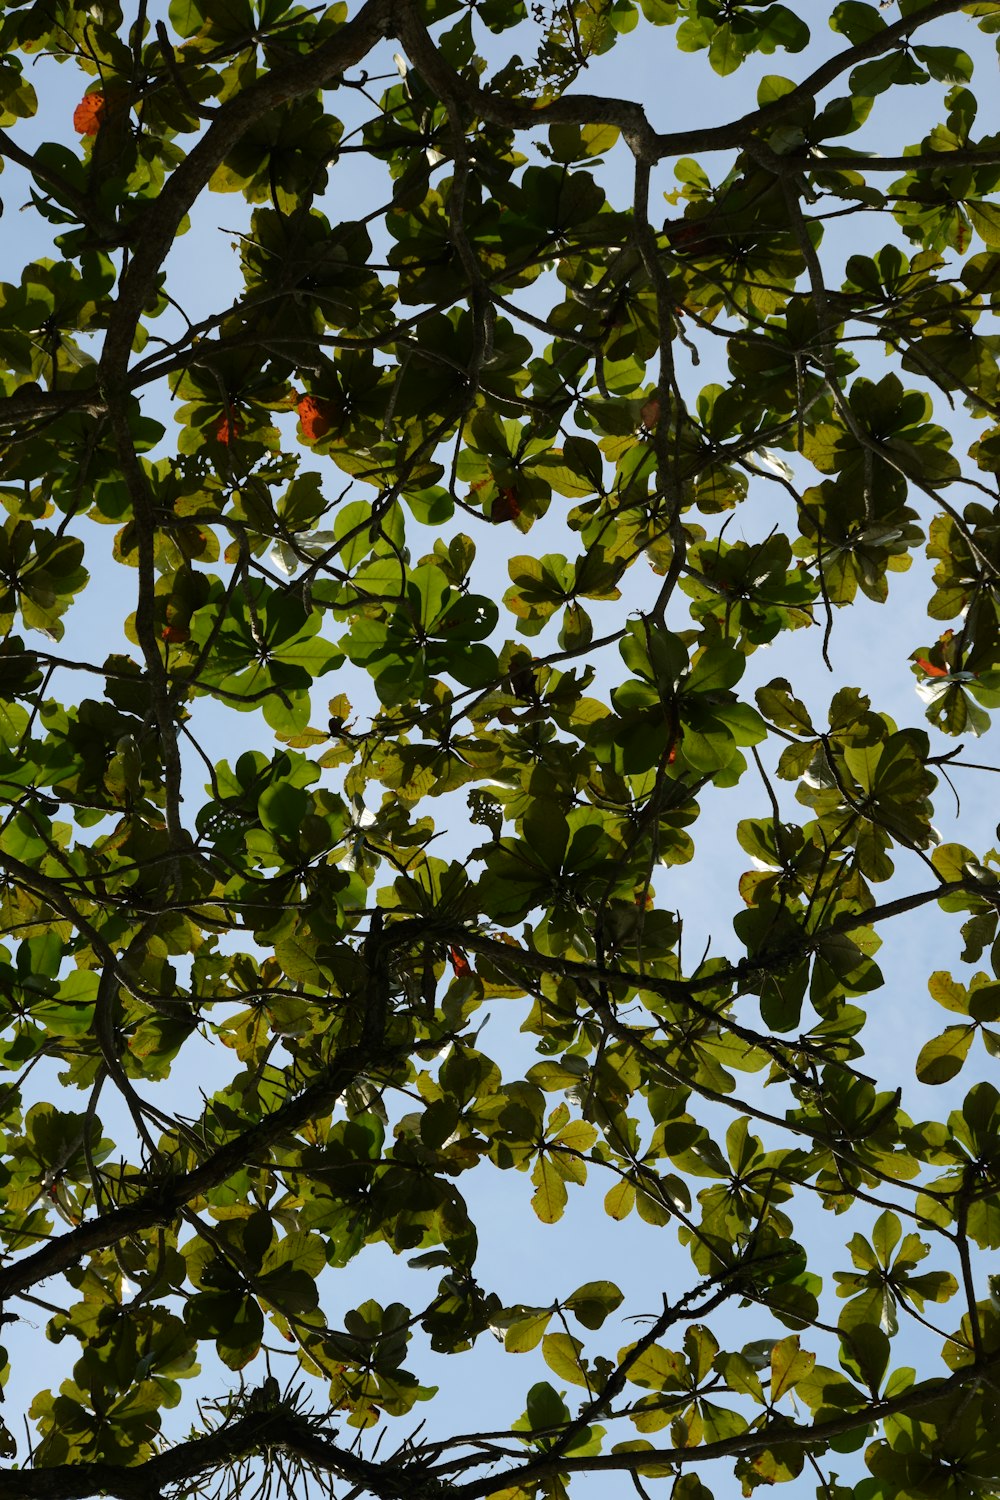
(930,668)
(317,417)
(229,428)
(459,962)
(688,234)
(89,114)
(505,506)
(175,635)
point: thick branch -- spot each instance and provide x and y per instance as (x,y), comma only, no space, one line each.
(773,1434)
(161,1205)
(254,1433)
(279,1429)
(650,145)
(682,990)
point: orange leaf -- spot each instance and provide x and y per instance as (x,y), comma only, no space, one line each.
(930,668)
(89,114)
(459,962)
(317,417)
(229,428)
(175,635)
(649,415)
(505,506)
(688,234)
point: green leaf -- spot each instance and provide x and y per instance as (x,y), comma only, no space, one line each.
(985,220)
(546,1408)
(857,21)
(942,1057)
(289,1269)
(593,1302)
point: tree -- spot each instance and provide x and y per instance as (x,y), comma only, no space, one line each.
(331,900)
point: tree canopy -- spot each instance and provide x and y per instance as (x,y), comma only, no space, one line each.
(438,584)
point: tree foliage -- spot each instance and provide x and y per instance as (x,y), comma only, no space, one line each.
(339,795)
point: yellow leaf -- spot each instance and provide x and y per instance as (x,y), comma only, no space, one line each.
(562,1355)
(619,1202)
(789,1365)
(549,1197)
